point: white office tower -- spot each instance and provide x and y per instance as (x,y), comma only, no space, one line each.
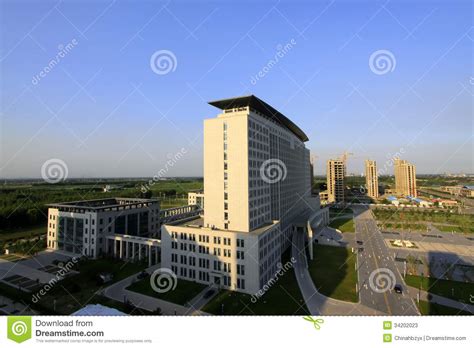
(257,184)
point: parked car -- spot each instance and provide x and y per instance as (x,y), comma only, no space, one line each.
(105,277)
(359,242)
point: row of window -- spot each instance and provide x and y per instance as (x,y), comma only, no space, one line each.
(205,277)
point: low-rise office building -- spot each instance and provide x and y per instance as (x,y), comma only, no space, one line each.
(85,227)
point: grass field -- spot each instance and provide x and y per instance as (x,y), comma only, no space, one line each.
(26,232)
(76,291)
(403,226)
(429,308)
(283,298)
(184,291)
(333,272)
(343,224)
(458,291)
(413,220)
(340,211)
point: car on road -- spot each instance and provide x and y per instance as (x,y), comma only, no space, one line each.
(359,242)
(208,294)
(142,275)
(398,288)
(361,249)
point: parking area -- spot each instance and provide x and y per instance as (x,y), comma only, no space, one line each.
(28,274)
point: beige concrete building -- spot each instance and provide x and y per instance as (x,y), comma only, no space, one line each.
(98,227)
(335,177)
(196,198)
(256,185)
(405,178)
(371,179)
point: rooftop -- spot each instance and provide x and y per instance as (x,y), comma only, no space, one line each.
(266,109)
(198,222)
(105,203)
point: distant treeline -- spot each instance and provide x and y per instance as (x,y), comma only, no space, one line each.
(25,205)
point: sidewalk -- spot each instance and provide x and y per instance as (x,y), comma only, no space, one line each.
(119,293)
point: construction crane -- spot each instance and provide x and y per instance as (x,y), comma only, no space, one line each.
(345,155)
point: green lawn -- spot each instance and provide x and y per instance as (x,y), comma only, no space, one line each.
(455,228)
(463,222)
(184,291)
(340,211)
(12,257)
(282,298)
(462,291)
(428,308)
(76,291)
(29,232)
(166,203)
(343,224)
(333,272)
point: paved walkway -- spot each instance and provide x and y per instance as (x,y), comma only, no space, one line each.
(8,269)
(317,303)
(118,292)
(8,306)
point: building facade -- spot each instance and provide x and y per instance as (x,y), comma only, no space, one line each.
(85,227)
(371,179)
(335,177)
(256,183)
(405,178)
(196,198)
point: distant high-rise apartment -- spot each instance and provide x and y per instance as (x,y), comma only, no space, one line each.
(405,178)
(371,179)
(335,177)
(257,188)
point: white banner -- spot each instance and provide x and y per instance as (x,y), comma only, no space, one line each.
(242,331)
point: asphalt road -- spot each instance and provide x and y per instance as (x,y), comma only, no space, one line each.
(377,270)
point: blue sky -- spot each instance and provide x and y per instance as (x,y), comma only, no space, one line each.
(103,110)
